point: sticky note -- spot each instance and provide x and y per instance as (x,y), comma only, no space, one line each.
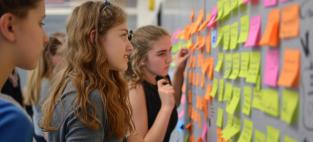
(258,83)
(233,35)
(232,106)
(234,4)
(208,92)
(213,17)
(254,32)
(226,37)
(228,91)
(227,65)
(270,36)
(246,134)
(289,76)
(259,136)
(271,67)
(204,24)
(231,130)
(204,131)
(272,134)
(289,105)
(208,42)
(270,102)
(244,64)
(213,38)
(220,8)
(219,37)
(254,67)
(289,139)
(227,7)
(290,21)
(221,90)
(215,87)
(247,91)
(257,100)
(235,66)
(219,120)
(269,3)
(244,29)
(219,64)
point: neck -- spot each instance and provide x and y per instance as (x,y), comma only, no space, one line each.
(6,64)
(149,77)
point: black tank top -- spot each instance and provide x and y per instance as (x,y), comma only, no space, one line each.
(153,103)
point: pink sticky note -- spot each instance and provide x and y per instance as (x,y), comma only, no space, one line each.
(204,132)
(183,99)
(271,67)
(269,3)
(181,114)
(213,17)
(245,1)
(254,32)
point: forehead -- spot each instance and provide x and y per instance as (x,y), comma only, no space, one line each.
(164,43)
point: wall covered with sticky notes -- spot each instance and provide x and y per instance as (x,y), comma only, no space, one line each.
(250,75)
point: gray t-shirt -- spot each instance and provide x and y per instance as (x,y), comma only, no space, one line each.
(70,128)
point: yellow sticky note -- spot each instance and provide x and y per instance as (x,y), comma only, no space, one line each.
(235,66)
(228,91)
(231,130)
(228,65)
(215,87)
(220,8)
(244,65)
(290,102)
(272,134)
(247,91)
(257,100)
(232,106)
(234,4)
(254,67)
(219,62)
(246,134)
(227,8)
(234,36)
(221,91)
(289,139)
(219,120)
(244,29)
(259,136)
(226,36)
(270,102)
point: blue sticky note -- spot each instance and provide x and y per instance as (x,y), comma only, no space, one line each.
(213,38)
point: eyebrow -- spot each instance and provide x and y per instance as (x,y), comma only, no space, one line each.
(124,30)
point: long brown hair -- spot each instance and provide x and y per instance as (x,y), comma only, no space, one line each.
(142,41)
(43,70)
(86,62)
(19,8)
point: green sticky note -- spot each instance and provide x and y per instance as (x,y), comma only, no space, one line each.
(221,91)
(246,134)
(289,139)
(290,102)
(231,130)
(244,29)
(234,4)
(272,134)
(227,7)
(247,91)
(270,102)
(232,106)
(259,136)
(257,100)
(235,66)
(219,62)
(254,67)
(228,65)
(228,91)
(219,37)
(226,37)
(244,65)
(215,87)
(234,36)
(220,8)
(219,120)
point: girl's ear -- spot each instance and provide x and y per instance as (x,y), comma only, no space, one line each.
(7,27)
(92,36)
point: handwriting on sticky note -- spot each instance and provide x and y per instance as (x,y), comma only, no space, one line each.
(254,67)
(247,91)
(244,64)
(246,134)
(271,67)
(290,102)
(289,76)
(219,119)
(244,29)
(232,106)
(290,21)
(272,134)
(254,32)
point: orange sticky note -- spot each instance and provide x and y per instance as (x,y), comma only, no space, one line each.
(192,15)
(191,138)
(207,95)
(290,21)
(189,97)
(208,42)
(201,41)
(205,23)
(289,76)
(270,37)
(199,139)
(210,69)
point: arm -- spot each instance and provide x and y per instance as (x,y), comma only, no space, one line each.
(157,132)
